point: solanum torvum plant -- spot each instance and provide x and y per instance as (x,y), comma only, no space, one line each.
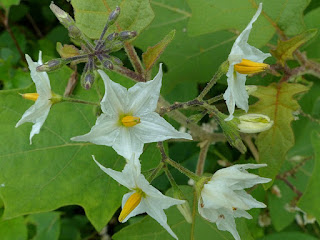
(128,119)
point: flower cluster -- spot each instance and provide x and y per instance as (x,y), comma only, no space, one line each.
(129,120)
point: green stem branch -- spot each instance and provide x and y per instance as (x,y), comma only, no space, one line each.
(67,99)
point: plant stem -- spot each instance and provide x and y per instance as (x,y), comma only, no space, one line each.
(178,105)
(155,172)
(182,169)
(248,140)
(4,19)
(202,156)
(214,79)
(129,74)
(134,59)
(67,99)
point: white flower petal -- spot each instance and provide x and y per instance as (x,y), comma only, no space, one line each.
(115,97)
(127,143)
(242,39)
(226,222)
(158,214)
(104,132)
(41,79)
(125,177)
(154,128)
(143,97)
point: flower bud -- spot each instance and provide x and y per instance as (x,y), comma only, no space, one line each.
(108,64)
(254,123)
(62,16)
(125,35)
(51,65)
(74,32)
(112,36)
(113,16)
(87,80)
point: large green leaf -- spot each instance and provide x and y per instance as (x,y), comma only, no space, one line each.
(47,224)
(148,228)
(309,200)
(276,101)
(189,60)
(91,16)
(313,48)
(214,15)
(280,216)
(13,229)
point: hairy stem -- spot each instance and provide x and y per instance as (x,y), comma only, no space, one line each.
(204,147)
(67,99)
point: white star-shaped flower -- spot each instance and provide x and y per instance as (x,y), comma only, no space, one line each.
(128,119)
(39,111)
(243,60)
(223,198)
(142,198)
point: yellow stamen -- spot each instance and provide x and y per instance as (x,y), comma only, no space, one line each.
(249,67)
(130,205)
(130,121)
(30,96)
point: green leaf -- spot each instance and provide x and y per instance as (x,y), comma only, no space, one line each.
(13,229)
(289,235)
(53,171)
(280,216)
(48,225)
(308,202)
(188,60)
(91,16)
(9,3)
(213,16)
(148,228)
(285,49)
(313,47)
(153,53)
(276,101)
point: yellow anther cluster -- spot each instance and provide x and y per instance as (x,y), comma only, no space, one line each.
(130,121)
(30,96)
(249,67)
(130,205)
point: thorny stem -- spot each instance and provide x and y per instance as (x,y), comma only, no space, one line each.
(197,132)
(156,171)
(135,60)
(204,147)
(167,159)
(128,73)
(221,71)
(178,105)
(4,19)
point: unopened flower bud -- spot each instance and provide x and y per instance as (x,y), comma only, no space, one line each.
(87,80)
(62,16)
(254,123)
(112,36)
(116,60)
(51,65)
(74,31)
(125,35)
(113,16)
(108,64)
